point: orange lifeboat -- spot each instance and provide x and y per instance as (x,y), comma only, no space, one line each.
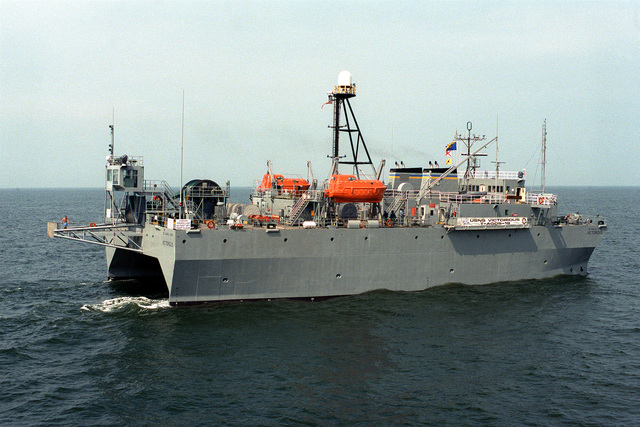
(282,184)
(349,189)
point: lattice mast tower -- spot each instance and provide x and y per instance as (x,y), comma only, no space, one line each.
(339,97)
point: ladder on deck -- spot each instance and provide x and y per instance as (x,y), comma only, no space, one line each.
(298,208)
(397,203)
(166,197)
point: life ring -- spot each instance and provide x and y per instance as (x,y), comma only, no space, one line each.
(389,223)
(238,226)
(93,224)
(211,223)
(524,220)
(540,200)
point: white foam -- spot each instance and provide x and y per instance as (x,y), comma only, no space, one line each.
(120,304)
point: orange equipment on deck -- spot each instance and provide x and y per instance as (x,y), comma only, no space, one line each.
(349,189)
(291,185)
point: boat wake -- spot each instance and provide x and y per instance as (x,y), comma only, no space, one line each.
(117,305)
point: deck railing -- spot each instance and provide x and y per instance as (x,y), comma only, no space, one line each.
(542,199)
(492,174)
(532,198)
(130,160)
(472,198)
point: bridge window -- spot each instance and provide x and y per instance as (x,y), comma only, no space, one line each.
(130,178)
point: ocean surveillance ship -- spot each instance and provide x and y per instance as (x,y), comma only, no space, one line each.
(348,234)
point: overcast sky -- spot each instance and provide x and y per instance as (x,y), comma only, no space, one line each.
(255,74)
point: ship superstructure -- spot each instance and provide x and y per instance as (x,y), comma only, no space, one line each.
(350,233)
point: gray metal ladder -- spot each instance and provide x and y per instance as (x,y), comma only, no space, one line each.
(397,203)
(298,208)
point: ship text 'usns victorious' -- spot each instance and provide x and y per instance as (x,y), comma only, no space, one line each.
(348,234)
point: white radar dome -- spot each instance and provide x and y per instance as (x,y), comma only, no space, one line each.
(344,78)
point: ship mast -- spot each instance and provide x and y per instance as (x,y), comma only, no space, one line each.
(180,214)
(472,161)
(339,97)
(544,153)
(111,126)
(496,161)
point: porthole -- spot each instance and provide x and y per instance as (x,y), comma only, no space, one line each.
(509,234)
(285,240)
(366,237)
(545,261)
(451,270)
(338,276)
(416,237)
(225,280)
(184,241)
(477,236)
(441,237)
(224,241)
(332,239)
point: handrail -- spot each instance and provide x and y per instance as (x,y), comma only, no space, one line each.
(486,174)
(472,198)
(157,186)
(345,89)
(532,198)
(397,193)
(542,199)
(130,160)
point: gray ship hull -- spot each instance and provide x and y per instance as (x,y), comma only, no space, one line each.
(349,234)
(220,265)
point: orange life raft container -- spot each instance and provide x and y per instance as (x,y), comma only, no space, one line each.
(282,184)
(349,189)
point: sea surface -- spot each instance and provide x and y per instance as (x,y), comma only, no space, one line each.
(77,350)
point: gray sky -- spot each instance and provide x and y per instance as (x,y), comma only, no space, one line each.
(255,74)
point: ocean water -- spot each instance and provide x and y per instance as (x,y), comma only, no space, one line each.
(77,350)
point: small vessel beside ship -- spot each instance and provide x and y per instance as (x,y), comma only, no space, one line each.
(352,233)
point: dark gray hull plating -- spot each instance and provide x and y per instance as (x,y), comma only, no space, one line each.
(217,265)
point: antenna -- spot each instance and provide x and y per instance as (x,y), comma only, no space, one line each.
(182,159)
(427,188)
(472,161)
(497,151)
(544,152)
(111,126)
